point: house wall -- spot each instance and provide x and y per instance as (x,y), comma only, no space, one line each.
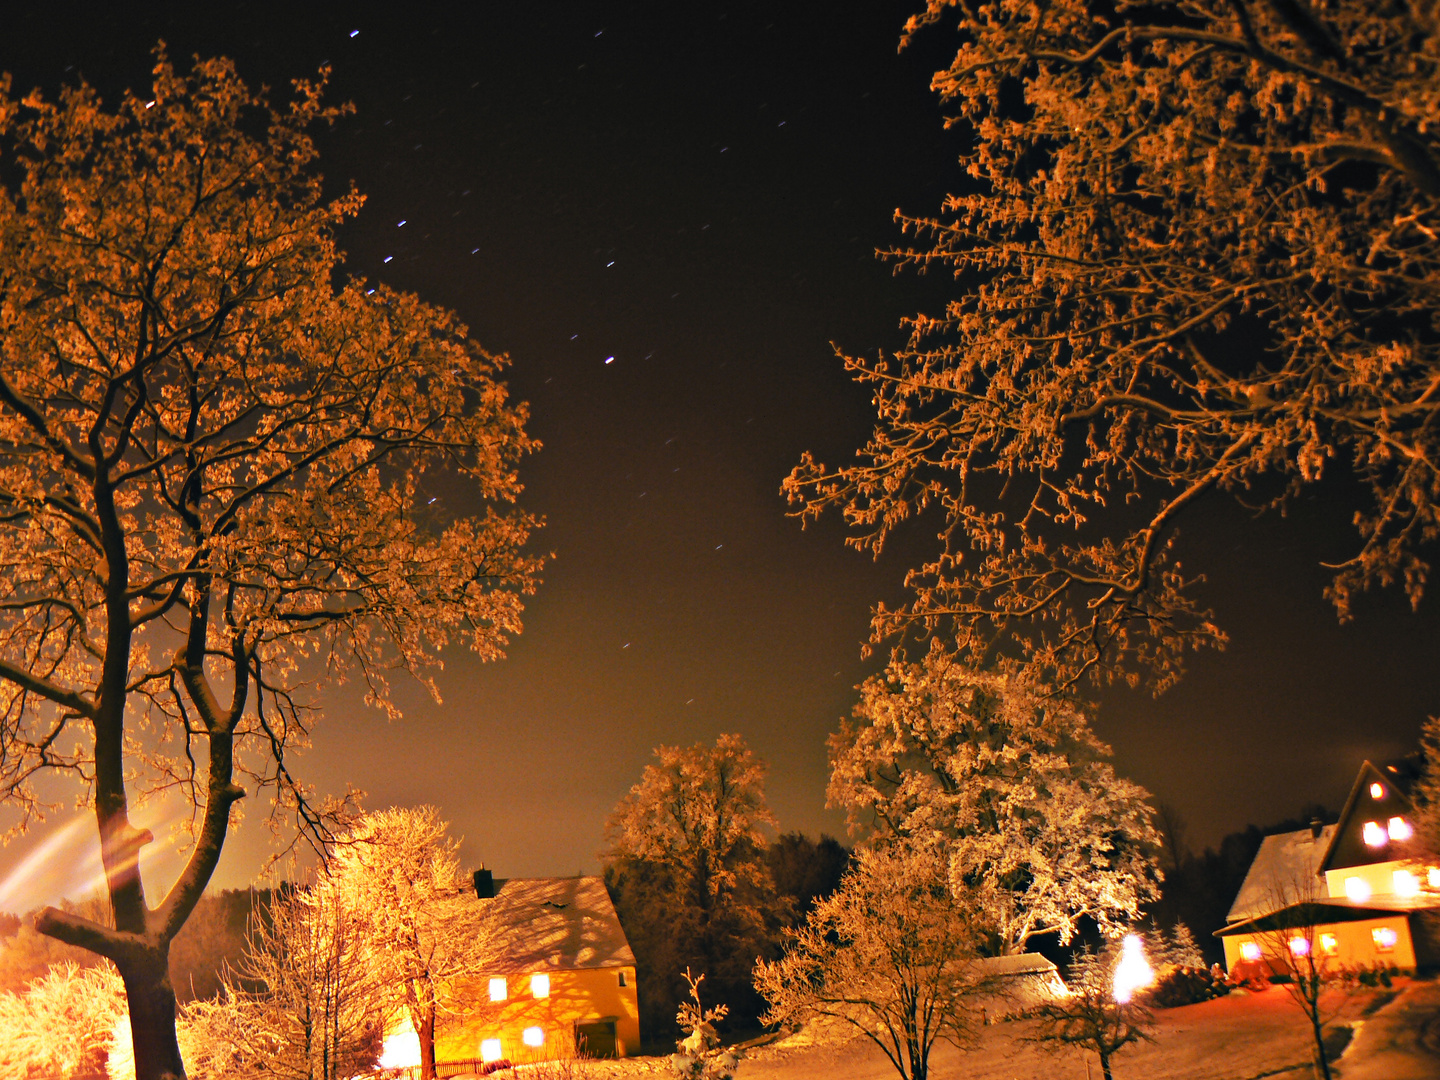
(1379,876)
(1354,943)
(576,997)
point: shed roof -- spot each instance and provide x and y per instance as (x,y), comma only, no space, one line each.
(559,924)
(1286,870)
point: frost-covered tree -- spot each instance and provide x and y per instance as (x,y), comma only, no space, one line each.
(306,1001)
(892,956)
(1197,255)
(397,872)
(687,869)
(216,468)
(1009,780)
(61,1025)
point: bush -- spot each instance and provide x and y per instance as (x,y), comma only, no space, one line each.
(1177,985)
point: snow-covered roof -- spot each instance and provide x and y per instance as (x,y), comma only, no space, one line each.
(1020,964)
(1286,870)
(559,924)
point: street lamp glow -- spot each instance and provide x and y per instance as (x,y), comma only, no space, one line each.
(1133,970)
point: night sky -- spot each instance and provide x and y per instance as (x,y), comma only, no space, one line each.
(697,192)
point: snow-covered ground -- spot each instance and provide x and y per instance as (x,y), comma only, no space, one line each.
(1233,1038)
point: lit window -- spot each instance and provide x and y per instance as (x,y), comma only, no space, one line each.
(1377,791)
(1249,951)
(1406,883)
(1433,876)
(1399,829)
(497,989)
(539,986)
(1299,946)
(1328,945)
(1374,834)
(490,1050)
(1357,888)
(1384,938)
(534,1036)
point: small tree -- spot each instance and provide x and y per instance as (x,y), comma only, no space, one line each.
(687,867)
(425,932)
(1008,779)
(1090,1016)
(216,463)
(892,956)
(306,1001)
(698,1054)
(62,1024)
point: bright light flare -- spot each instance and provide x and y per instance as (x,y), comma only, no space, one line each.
(540,986)
(1357,889)
(1249,951)
(401,1049)
(1399,829)
(1374,835)
(534,1036)
(1377,791)
(497,989)
(1384,938)
(1299,946)
(1133,970)
(490,1050)
(1406,883)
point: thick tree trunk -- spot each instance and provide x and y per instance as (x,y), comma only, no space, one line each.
(146,975)
(1105,1066)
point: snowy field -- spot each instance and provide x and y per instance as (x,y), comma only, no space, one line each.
(1234,1038)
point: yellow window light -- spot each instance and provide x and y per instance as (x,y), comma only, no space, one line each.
(540,986)
(1357,889)
(1406,883)
(1299,946)
(1433,877)
(1328,945)
(1249,951)
(1374,835)
(534,1036)
(1384,938)
(490,1050)
(497,989)
(1377,791)
(1399,829)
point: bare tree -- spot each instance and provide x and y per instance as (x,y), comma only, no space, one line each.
(306,1002)
(892,956)
(1197,253)
(216,469)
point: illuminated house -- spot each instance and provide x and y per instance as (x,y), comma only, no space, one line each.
(566,982)
(1343,890)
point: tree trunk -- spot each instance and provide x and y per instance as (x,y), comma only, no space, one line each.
(1322,1066)
(146,974)
(1105,1066)
(426,1031)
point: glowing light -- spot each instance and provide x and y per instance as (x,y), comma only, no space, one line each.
(490,1050)
(1384,938)
(1299,946)
(1357,889)
(1133,971)
(1374,834)
(1433,877)
(1406,883)
(1377,791)
(534,1036)
(540,986)
(497,989)
(1328,945)
(1249,951)
(401,1049)
(1399,829)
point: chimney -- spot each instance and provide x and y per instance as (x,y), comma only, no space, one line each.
(1316,827)
(484,884)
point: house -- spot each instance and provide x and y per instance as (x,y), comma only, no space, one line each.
(1348,890)
(565,981)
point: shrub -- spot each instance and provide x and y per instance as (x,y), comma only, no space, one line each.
(1183,985)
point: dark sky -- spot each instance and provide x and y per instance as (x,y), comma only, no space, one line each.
(697,191)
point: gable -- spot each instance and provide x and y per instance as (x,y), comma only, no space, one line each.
(1375,820)
(1286,870)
